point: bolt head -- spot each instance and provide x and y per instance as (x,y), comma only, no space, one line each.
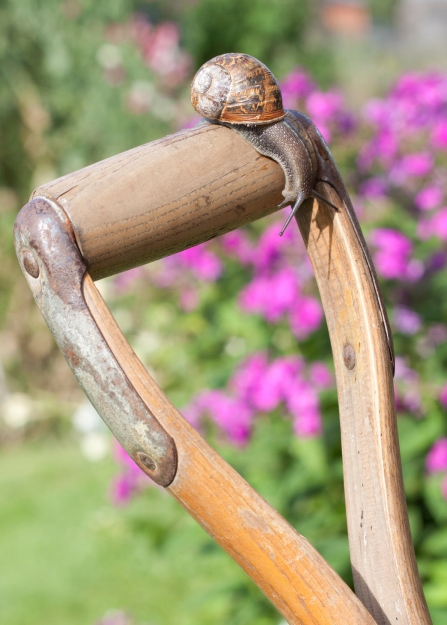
(30,264)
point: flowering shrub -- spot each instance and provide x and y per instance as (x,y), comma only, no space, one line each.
(399,147)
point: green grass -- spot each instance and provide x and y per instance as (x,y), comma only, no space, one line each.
(68,556)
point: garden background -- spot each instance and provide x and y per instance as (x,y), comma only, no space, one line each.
(232,330)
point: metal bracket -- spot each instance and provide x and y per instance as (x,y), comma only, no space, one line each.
(55,272)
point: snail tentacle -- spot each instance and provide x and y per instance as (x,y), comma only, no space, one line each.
(283,143)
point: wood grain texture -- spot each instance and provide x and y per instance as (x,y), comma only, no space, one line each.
(385,573)
(291,573)
(165,196)
(185,189)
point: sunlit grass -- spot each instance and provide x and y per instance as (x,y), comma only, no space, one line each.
(68,556)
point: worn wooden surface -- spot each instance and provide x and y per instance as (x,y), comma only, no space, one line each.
(292,574)
(164,196)
(125,212)
(384,566)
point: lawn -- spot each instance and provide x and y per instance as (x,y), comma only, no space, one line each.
(68,555)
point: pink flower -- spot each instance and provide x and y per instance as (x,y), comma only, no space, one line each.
(328,113)
(160,49)
(407,85)
(407,390)
(306,317)
(124,280)
(189,299)
(122,489)
(415,270)
(190,122)
(373,188)
(203,263)
(193,413)
(424,229)
(308,424)
(404,372)
(273,386)
(302,401)
(249,375)
(324,106)
(270,248)
(116,618)
(439,135)
(436,262)
(428,198)
(238,244)
(443,396)
(321,376)
(393,253)
(377,112)
(438,224)
(412,165)
(129,481)
(254,298)
(324,129)
(387,239)
(283,293)
(295,86)
(260,386)
(437,457)
(270,296)
(390,265)
(383,146)
(123,458)
(231,414)
(406,320)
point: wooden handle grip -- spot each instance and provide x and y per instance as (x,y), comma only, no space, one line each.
(183,190)
(163,197)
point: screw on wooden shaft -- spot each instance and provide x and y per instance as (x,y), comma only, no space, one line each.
(349,356)
(30,264)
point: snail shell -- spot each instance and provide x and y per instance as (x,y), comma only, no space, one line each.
(240,92)
(237,89)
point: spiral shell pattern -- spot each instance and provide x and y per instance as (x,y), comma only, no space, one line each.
(237,89)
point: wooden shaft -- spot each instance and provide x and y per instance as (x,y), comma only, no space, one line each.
(185,189)
(165,196)
(291,573)
(382,556)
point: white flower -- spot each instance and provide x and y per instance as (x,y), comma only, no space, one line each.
(94,446)
(17,410)
(87,420)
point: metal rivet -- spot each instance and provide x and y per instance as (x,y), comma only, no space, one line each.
(145,462)
(349,356)
(30,263)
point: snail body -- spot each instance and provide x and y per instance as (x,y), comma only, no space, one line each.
(240,92)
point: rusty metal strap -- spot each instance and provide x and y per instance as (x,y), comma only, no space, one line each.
(55,272)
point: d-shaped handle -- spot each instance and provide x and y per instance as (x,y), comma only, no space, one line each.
(290,572)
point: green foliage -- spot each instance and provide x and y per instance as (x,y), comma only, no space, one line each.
(75,89)
(69,556)
(383,11)
(258,27)
(59,109)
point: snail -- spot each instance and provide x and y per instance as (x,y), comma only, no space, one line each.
(238,91)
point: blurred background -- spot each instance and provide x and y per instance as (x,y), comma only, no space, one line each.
(84,537)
